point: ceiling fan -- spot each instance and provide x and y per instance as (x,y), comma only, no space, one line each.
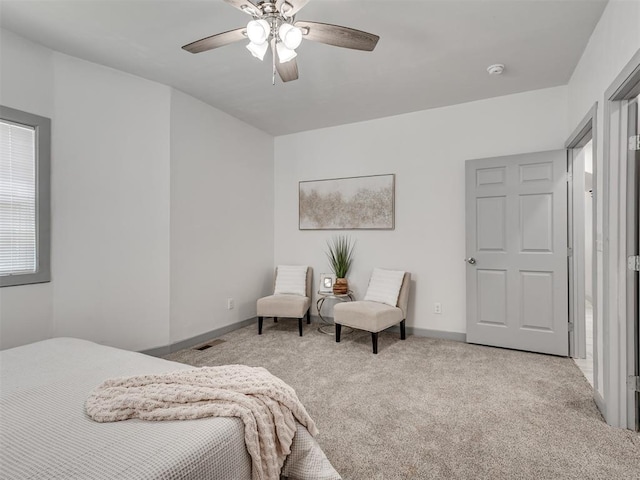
(274,25)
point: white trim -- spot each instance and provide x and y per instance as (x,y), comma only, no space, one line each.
(629,247)
(586,130)
(613,370)
(615,322)
(577,287)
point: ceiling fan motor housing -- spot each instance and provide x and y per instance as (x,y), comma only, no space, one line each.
(271,8)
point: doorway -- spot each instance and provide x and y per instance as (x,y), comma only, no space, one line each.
(585,260)
(583,275)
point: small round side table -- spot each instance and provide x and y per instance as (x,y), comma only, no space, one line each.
(329,328)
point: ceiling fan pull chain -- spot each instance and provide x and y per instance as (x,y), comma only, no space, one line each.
(273,63)
(272,43)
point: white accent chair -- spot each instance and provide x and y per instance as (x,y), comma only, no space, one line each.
(287,305)
(374,316)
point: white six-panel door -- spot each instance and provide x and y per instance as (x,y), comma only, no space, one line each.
(516,250)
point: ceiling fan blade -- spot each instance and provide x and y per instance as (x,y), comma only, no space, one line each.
(339,36)
(288,71)
(290,7)
(244,6)
(215,41)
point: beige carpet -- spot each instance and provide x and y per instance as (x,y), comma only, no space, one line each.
(425,408)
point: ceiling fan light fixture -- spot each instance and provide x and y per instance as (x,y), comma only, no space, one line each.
(258,31)
(258,50)
(291,36)
(285,54)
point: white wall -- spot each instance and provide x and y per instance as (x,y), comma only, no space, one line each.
(614,41)
(221,217)
(427,151)
(26,313)
(112,218)
(110,201)
(110,223)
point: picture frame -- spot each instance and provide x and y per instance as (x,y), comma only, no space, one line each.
(351,203)
(327,280)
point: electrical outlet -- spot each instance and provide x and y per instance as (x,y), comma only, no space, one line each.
(229,303)
(437,308)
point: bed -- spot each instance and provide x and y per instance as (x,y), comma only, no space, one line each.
(45,432)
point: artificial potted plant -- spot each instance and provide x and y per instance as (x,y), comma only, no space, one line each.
(340,256)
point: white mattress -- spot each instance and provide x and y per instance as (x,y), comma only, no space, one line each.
(45,433)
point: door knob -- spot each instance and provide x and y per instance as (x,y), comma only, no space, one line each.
(470,260)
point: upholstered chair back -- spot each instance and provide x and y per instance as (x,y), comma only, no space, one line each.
(308,286)
(403,296)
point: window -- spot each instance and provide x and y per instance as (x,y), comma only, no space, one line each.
(25,236)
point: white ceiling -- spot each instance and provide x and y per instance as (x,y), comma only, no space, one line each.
(430,54)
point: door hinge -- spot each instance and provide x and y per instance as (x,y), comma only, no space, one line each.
(633,383)
(633,263)
(571,326)
(569,177)
(569,252)
(634,143)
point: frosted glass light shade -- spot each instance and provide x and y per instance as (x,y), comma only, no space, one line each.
(258,31)
(258,51)
(285,54)
(291,36)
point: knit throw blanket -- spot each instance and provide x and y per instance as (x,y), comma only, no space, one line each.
(268,406)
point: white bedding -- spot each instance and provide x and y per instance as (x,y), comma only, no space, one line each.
(45,433)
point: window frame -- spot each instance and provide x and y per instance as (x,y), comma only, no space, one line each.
(42,126)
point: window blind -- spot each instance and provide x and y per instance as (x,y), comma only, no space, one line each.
(18,233)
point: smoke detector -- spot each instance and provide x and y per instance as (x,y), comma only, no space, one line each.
(495,69)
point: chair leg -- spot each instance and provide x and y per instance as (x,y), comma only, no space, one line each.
(338,330)
(374,340)
(403,333)
(309,317)
(260,319)
(275,319)
(300,325)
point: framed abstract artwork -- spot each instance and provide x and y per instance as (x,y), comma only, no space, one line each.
(353,203)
